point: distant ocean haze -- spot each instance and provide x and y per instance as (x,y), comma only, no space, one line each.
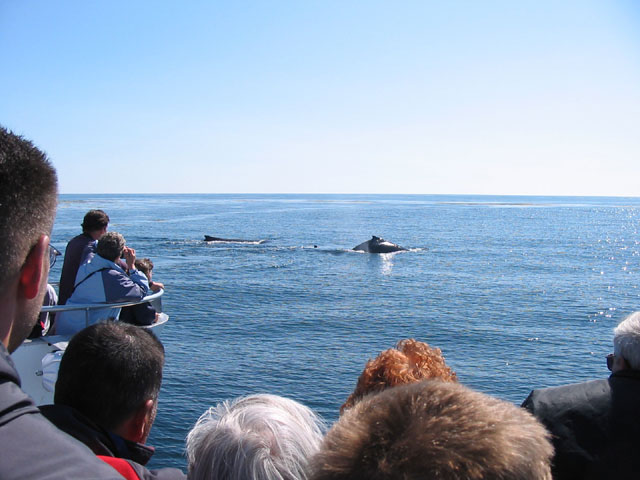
(518,292)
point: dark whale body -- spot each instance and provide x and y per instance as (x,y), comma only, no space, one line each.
(378,245)
(209,238)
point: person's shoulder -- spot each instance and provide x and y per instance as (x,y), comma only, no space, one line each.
(577,386)
(561,390)
(632,375)
(100,263)
(93,265)
(82,239)
(64,457)
(625,382)
(555,398)
(110,269)
(160,474)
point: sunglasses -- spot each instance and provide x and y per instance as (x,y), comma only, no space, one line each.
(610,358)
(53,254)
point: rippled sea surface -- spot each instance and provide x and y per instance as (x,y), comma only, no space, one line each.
(518,292)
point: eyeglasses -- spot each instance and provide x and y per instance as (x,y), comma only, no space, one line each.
(53,254)
(610,358)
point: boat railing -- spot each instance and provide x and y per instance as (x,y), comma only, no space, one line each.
(39,376)
(154,299)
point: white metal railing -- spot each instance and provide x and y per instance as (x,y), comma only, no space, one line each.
(87,307)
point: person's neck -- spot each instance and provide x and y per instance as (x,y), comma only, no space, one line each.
(8,310)
(620,364)
(128,432)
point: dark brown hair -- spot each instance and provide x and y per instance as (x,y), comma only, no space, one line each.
(28,198)
(145,265)
(109,370)
(94,220)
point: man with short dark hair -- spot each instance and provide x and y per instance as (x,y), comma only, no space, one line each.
(31,447)
(434,429)
(107,390)
(595,425)
(102,280)
(94,225)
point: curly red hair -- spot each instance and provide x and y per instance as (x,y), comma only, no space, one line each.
(411,361)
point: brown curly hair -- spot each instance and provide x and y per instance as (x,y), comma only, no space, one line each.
(411,361)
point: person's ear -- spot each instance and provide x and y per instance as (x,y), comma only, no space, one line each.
(142,421)
(619,363)
(34,268)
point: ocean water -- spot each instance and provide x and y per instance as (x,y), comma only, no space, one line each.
(518,292)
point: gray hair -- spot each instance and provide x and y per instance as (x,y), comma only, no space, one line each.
(626,340)
(257,437)
(110,245)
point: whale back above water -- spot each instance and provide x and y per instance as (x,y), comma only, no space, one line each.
(378,245)
(209,238)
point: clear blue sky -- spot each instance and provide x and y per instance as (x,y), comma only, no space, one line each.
(503,97)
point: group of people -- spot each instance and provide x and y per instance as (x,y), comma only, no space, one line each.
(99,268)
(408,417)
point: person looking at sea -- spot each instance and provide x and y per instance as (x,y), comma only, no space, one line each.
(595,425)
(411,361)
(434,430)
(107,390)
(257,437)
(143,313)
(31,446)
(102,280)
(94,225)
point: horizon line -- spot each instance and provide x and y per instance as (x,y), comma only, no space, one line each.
(360,194)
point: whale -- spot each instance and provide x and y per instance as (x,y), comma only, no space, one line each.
(209,238)
(378,245)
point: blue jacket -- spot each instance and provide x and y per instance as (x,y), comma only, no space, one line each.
(100,281)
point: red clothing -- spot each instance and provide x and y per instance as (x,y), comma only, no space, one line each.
(123,467)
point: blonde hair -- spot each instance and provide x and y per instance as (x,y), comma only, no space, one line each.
(434,429)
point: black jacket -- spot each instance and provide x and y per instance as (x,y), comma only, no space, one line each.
(142,314)
(105,443)
(595,426)
(99,440)
(30,446)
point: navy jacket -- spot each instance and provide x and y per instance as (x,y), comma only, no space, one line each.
(72,261)
(99,440)
(30,446)
(595,426)
(102,442)
(142,314)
